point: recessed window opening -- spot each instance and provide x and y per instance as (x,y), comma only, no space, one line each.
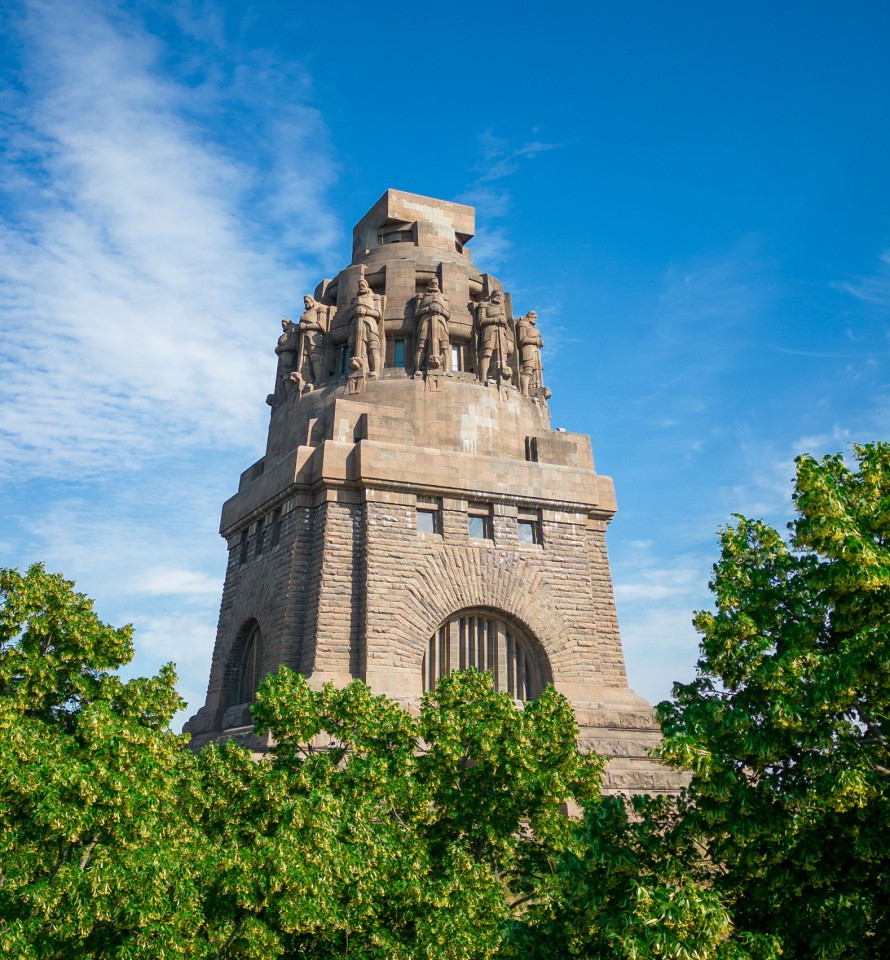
(343,356)
(251,664)
(479,525)
(528,528)
(244,546)
(457,357)
(276,527)
(398,353)
(484,641)
(260,537)
(403,234)
(429,515)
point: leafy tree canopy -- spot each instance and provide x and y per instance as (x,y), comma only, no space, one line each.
(373,832)
(785,727)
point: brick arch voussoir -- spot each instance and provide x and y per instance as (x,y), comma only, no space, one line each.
(525,601)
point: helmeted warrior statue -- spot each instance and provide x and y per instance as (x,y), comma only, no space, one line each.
(432,328)
(313,329)
(365,328)
(494,342)
(528,338)
(286,348)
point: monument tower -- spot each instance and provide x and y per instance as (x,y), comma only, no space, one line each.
(414,513)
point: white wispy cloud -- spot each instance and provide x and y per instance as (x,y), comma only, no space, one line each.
(499,159)
(140,296)
(656,593)
(873,288)
(164,204)
(169,581)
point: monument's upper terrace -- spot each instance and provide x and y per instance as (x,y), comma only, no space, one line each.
(438,228)
(413,326)
(411,305)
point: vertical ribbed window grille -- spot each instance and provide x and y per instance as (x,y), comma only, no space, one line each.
(486,643)
(251,664)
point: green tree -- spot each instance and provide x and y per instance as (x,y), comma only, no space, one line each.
(629,887)
(785,726)
(377,834)
(368,831)
(92,841)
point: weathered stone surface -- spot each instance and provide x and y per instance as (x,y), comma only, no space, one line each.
(415,513)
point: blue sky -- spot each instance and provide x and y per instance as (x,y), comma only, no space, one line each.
(694,196)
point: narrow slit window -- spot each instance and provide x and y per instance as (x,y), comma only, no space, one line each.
(242,559)
(260,537)
(275,533)
(344,360)
(398,353)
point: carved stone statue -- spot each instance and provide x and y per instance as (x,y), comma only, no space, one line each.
(366,327)
(313,329)
(494,343)
(528,338)
(432,328)
(286,348)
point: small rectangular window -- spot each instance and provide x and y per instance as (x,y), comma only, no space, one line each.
(479,522)
(244,546)
(456,358)
(528,528)
(398,353)
(276,527)
(527,531)
(429,515)
(260,536)
(428,521)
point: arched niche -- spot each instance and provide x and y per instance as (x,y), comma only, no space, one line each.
(486,640)
(244,668)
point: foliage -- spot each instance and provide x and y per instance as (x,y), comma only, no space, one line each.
(89,774)
(387,835)
(374,832)
(785,726)
(369,831)
(623,890)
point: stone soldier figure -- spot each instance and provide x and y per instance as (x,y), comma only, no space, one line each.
(432,327)
(528,338)
(365,319)
(286,348)
(313,327)
(493,341)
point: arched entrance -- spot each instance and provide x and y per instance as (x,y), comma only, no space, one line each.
(245,666)
(482,639)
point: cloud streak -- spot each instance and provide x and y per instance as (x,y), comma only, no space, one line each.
(498,160)
(139,294)
(874,289)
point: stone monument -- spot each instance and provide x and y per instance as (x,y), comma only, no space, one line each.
(414,513)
